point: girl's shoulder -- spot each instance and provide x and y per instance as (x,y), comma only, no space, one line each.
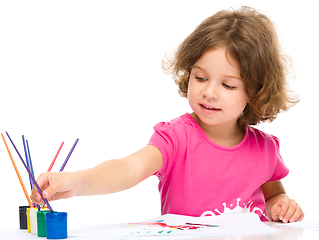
(261,137)
(177,128)
(177,122)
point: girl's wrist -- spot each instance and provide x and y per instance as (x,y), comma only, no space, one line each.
(78,182)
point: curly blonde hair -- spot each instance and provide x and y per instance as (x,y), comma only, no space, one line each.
(250,38)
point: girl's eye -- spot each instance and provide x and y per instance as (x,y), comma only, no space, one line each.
(200,79)
(228,86)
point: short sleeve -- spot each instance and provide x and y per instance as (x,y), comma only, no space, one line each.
(280,169)
(165,140)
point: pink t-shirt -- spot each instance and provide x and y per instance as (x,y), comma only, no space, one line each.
(201,178)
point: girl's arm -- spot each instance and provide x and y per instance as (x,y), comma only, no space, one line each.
(279,207)
(107,177)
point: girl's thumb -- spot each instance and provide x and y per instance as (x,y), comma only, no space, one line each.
(49,192)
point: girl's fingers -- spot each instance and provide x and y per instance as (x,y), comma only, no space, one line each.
(289,210)
(283,204)
(298,215)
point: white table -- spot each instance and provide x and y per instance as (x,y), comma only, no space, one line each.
(288,233)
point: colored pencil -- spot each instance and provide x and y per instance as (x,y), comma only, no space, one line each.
(27,159)
(30,174)
(31,169)
(17,172)
(67,158)
(55,157)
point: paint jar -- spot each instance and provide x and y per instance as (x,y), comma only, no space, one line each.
(23,220)
(41,223)
(33,220)
(29,220)
(56,225)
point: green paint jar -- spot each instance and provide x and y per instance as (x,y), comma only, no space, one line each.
(42,232)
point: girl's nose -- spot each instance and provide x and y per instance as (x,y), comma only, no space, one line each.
(211,91)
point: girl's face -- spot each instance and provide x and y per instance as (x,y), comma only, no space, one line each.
(216,92)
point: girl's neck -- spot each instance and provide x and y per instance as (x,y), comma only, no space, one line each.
(227,134)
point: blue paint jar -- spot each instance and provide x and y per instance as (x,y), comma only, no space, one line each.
(56,225)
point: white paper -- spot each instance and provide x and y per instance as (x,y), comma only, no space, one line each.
(228,225)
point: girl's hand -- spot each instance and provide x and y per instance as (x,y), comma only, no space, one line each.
(286,210)
(54,186)
(279,207)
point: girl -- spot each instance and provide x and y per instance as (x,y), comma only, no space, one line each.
(209,162)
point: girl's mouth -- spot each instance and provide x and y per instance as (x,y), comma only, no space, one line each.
(209,107)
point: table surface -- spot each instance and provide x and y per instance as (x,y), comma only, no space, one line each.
(288,233)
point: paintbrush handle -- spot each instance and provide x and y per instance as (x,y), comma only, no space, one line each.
(55,157)
(67,158)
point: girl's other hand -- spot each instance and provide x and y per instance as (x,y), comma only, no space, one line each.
(286,210)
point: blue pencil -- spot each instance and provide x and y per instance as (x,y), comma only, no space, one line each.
(31,168)
(30,161)
(27,160)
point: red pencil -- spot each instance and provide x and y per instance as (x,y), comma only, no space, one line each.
(56,155)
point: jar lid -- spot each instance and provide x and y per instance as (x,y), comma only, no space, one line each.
(55,215)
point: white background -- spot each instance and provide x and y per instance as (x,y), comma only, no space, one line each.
(92,70)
